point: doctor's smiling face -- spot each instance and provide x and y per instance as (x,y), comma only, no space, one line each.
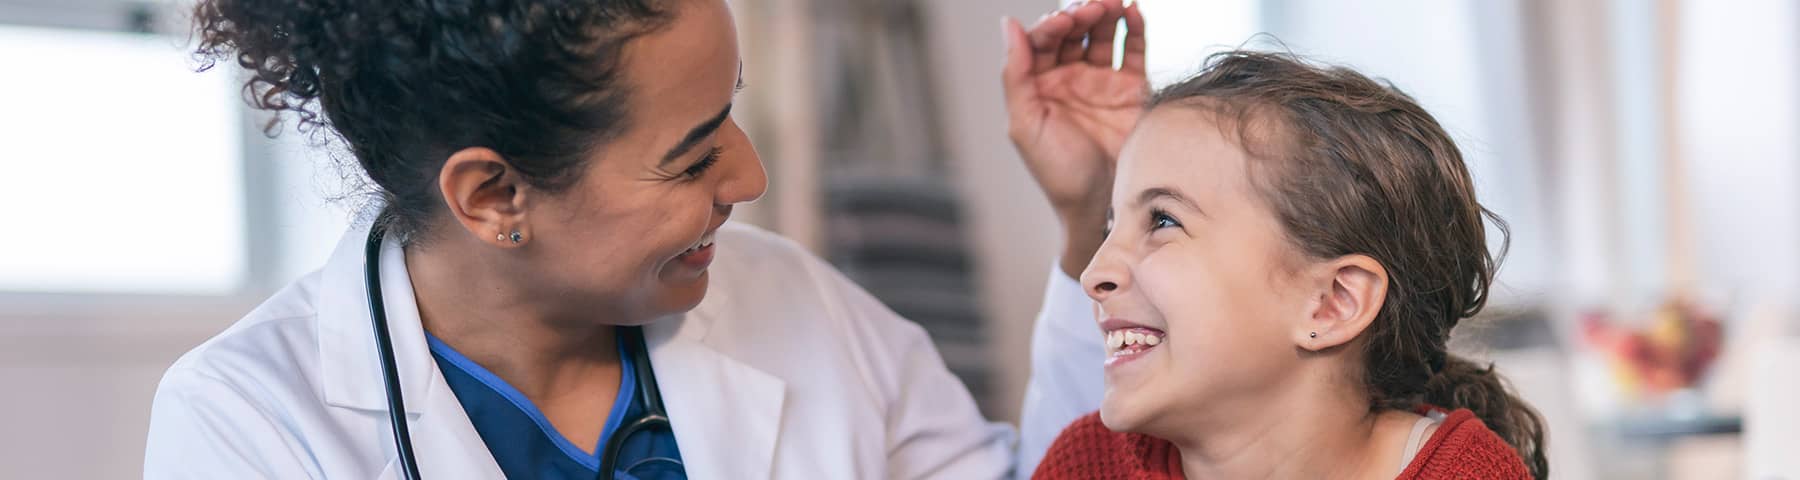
(1196,285)
(631,238)
(638,227)
(550,161)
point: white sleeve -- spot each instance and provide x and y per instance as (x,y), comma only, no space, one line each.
(1066,369)
(933,428)
(201,427)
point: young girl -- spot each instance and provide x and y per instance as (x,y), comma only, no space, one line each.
(1290,247)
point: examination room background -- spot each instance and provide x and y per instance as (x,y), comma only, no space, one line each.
(1644,152)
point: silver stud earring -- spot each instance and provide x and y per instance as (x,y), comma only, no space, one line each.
(516,237)
(1312,335)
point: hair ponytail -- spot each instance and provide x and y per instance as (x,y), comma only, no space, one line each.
(1465,384)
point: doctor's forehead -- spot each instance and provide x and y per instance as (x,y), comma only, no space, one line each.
(687,71)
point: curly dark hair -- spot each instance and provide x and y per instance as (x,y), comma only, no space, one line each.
(1360,168)
(407,83)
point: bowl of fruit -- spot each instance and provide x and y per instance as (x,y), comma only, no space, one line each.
(1671,349)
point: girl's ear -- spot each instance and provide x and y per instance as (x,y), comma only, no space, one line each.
(1349,295)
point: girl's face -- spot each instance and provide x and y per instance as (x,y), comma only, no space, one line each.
(1195,284)
(634,235)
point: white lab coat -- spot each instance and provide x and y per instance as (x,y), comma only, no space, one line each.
(785,370)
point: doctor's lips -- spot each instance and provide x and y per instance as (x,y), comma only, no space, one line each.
(705,241)
(700,254)
(1126,339)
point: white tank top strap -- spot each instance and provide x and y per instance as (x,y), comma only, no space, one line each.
(1414,441)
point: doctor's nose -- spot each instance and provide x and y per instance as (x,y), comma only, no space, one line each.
(1106,274)
(747,180)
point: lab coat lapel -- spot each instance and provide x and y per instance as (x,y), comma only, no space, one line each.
(726,413)
(444,441)
(351,369)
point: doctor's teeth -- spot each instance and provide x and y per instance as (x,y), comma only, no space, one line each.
(704,242)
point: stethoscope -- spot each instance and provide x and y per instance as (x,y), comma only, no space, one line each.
(654,417)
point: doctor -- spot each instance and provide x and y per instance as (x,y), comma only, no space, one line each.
(551,288)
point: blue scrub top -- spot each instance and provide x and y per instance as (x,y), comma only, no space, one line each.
(524,443)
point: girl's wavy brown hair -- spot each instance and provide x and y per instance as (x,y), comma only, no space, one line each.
(1351,165)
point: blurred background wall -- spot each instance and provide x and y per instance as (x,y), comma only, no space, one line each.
(1643,151)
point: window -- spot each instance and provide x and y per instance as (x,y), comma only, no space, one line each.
(123,167)
(1438,52)
(1460,60)
(1182,32)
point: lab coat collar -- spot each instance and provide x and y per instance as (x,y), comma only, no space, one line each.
(726,413)
(351,368)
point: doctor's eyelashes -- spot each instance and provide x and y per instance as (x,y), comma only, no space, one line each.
(705,163)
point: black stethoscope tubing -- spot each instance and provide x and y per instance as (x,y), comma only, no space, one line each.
(648,393)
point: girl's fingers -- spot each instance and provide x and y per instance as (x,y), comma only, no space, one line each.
(1046,39)
(1100,40)
(1084,16)
(1015,76)
(1134,39)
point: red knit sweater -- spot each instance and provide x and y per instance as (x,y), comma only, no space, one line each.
(1462,447)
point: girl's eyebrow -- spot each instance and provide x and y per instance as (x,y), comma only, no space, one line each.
(1171,193)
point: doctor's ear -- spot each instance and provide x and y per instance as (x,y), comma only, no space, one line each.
(1348,293)
(485,195)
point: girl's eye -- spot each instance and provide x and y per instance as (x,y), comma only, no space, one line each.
(1160,220)
(706,162)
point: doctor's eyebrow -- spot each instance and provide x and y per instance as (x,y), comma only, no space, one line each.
(694,136)
(705,128)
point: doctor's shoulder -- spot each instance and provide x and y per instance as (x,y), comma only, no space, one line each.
(764,283)
(871,383)
(760,271)
(228,404)
(277,337)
